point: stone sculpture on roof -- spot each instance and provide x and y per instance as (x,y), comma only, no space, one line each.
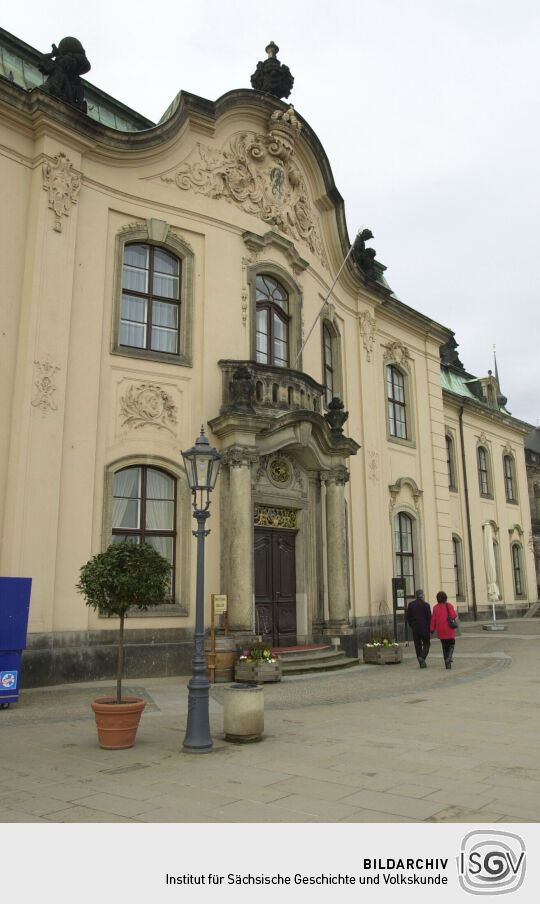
(63,68)
(271,76)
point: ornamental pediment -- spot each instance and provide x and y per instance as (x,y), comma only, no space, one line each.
(259,174)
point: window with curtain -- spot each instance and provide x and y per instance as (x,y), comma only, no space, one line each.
(397,419)
(404,550)
(517,569)
(483,471)
(150,312)
(509,483)
(450,462)
(144,510)
(458,566)
(272,322)
(328,361)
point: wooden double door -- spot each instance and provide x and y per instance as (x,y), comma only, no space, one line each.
(275,586)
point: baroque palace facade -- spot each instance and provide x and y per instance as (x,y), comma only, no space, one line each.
(160,276)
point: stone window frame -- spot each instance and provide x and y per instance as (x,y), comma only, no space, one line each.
(337,370)
(416,528)
(459,569)
(158,234)
(520,591)
(488,493)
(450,446)
(404,369)
(180,606)
(274,271)
(512,477)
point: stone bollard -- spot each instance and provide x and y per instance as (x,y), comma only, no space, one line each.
(243,712)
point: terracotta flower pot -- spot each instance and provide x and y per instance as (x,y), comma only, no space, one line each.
(117,723)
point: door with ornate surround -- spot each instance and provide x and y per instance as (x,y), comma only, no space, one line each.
(275,586)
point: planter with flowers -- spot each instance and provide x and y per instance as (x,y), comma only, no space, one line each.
(256,664)
(382,651)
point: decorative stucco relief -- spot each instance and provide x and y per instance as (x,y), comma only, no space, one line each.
(148,405)
(368,326)
(396,351)
(257,173)
(63,185)
(373,465)
(43,399)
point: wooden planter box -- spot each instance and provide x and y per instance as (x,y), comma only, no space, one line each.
(257,672)
(382,655)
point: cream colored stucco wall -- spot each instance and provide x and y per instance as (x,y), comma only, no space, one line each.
(58,311)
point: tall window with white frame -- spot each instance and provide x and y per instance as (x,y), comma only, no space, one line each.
(328,357)
(150,314)
(272,322)
(483,471)
(404,550)
(397,415)
(144,510)
(517,569)
(508,470)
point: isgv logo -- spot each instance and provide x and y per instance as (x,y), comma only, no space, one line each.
(8,680)
(491,863)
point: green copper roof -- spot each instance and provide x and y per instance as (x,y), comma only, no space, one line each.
(19,65)
(456,383)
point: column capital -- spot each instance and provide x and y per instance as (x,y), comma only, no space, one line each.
(335,476)
(239,457)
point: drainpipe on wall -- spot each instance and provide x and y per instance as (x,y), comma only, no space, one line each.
(468,512)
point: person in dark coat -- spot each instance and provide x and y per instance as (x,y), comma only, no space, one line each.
(419,618)
(439,623)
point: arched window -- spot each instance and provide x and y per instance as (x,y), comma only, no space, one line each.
(458,567)
(150,311)
(517,570)
(404,550)
(483,471)
(509,478)
(272,322)
(397,416)
(144,510)
(450,462)
(328,363)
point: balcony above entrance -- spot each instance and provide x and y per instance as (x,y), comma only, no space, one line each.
(263,389)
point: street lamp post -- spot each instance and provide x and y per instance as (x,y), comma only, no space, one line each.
(202,463)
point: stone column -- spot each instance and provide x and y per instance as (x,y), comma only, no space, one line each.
(336,547)
(239,552)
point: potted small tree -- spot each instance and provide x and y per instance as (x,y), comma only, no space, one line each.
(126,575)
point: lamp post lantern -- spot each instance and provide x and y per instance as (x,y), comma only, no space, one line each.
(202,463)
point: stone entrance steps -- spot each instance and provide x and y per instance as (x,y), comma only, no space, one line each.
(316,658)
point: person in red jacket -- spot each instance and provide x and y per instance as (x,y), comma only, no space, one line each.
(439,623)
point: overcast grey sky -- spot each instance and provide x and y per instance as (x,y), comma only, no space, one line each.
(428,111)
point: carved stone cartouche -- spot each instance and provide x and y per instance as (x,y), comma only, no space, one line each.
(271,76)
(242,390)
(63,68)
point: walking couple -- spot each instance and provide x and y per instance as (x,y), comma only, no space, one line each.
(423,623)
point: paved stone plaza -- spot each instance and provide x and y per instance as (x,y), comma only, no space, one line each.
(369,744)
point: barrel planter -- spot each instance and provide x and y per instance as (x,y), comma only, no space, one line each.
(117,723)
(225,654)
(243,713)
(257,671)
(382,655)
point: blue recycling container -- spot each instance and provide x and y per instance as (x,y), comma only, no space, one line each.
(14,607)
